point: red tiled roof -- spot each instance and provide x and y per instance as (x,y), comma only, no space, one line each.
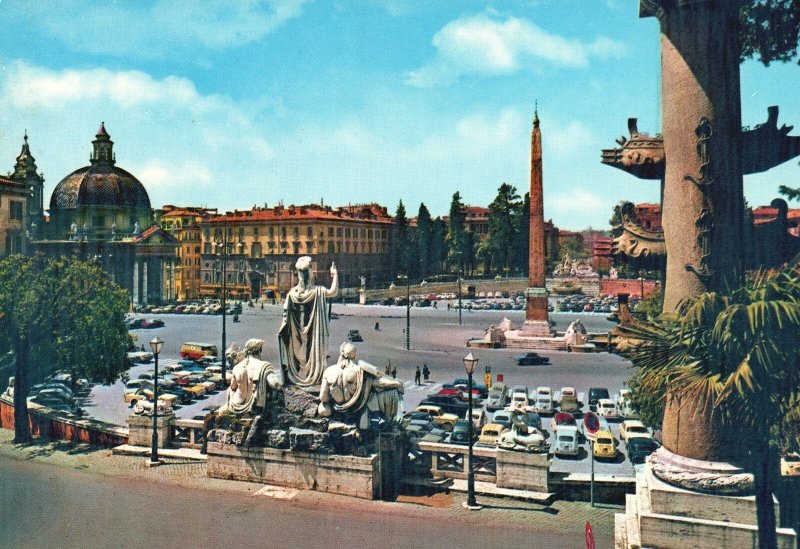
(5,182)
(290,213)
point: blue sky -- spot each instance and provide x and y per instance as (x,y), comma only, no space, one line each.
(231,104)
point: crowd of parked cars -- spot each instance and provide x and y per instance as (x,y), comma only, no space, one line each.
(57,392)
(511,417)
(207,307)
(579,303)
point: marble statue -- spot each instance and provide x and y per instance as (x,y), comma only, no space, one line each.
(303,335)
(613,274)
(252,381)
(575,334)
(136,228)
(363,283)
(73,231)
(354,386)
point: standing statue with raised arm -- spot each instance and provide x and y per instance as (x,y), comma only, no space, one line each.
(303,336)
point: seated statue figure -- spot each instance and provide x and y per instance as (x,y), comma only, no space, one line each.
(251,382)
(354,386)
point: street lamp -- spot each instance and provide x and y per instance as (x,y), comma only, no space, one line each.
(408,311)
(460,273)
(155,345)
(223,246)
(469,365)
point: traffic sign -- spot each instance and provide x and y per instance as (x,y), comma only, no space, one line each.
(591,423)
(499,378)
(589,536)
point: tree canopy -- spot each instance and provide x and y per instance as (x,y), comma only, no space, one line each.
(59,314)
(770,30)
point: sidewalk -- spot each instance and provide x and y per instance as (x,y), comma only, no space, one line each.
(560,516)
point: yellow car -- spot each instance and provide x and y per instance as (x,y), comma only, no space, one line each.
(490,433)
(197,390)
(604,445)
(440,417)
(140,395)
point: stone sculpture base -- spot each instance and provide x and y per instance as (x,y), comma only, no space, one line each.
(663,515)
(536,328)
(140,430)
(518,339)
(522,470)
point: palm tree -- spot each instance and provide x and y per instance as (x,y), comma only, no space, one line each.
(740,351)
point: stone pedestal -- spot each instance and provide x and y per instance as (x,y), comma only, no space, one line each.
(362,297)
(346,475)
(662,515)
(140,430)
(522,470)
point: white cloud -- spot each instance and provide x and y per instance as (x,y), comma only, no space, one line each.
(155,29)
(576,202)
(563,143)
(173,138)
(484,45)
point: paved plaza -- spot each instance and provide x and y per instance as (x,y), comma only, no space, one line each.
(436,340)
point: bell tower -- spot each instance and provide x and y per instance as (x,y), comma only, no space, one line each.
(25,173)
(103,151)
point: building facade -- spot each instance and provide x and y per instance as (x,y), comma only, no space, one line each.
(184,225)
(13,217)
(257,249)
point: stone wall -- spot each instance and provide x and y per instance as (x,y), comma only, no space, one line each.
(47,423)
(346,475)
(627,286)
(522,470)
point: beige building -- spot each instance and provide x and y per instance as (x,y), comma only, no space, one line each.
(263,244)
(184,225)
(13,217)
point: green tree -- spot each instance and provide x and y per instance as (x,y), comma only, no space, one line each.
(402,246)
(424,240)
(521,244)
(438,251)
(769,30)
(503,212)
(736,351)
(456,233)
(59,314)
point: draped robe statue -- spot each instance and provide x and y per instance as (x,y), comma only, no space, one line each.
(356,387)
(303,336)
(252,379)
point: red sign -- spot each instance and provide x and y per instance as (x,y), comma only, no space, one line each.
(589,537)
(591,423)
(499,378)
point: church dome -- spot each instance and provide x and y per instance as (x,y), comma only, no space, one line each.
(100,184)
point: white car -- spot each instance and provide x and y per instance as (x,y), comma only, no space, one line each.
(566,441)
(543,403)
(607,408)
(145,407)
(519,400)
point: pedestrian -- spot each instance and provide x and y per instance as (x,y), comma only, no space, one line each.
(377,325)
(142,347)
(425,372)
(394,373)
(417,376)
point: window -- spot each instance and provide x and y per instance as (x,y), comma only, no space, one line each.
(99,221)
(283,232)
(296,246)
(296,231)
(309,232)
(255,249)
(255,232)
(271,232)
(347,232)
(330,247)
(363,233)
(207,278)
(16,210)
(241,232)
(207,248)
(197,249)
(339,231)
(330,231)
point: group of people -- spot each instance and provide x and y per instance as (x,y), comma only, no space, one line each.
(425,373)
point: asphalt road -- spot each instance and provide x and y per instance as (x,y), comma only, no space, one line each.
(50,506)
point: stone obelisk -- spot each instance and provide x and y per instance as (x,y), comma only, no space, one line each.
(537,323)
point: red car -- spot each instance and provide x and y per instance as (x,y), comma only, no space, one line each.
(562,418)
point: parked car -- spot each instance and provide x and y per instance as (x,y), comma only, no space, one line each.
(607,408)
(523,437)
(497,397)
(532,419)
(137,384)
(460,433)
(604,445)
(639,448)
(194,350)
(519,397)
(448,403)
(790,464)
(423,419)
(145,407)
(184,397)
(562,419)
(566,441)
(443,419)
(196,389)
(132,397)
(544,400)
(532,359)
(490,433)
(595,394)
(140,357)
(568,401)
(478,418)
(434,435)
(353,335)
(632,428)
(503,417)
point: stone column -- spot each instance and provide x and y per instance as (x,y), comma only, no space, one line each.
(136,281)
(536,319)
(144,281)
(703,201)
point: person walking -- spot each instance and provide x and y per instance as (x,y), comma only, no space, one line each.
(417,376)
(425,372)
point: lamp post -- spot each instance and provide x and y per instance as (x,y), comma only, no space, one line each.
(641,285)
(224,248)
(408,311)
(460,274)
(155,345)
(469,366)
